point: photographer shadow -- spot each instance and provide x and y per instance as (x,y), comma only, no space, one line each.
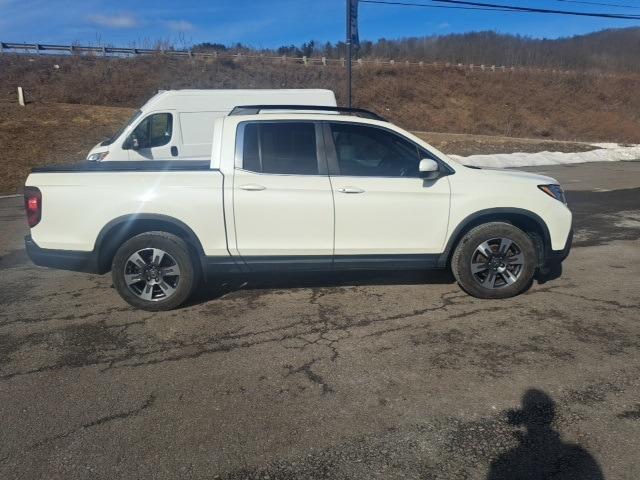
(541,453)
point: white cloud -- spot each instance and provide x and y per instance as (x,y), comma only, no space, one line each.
(113,21)
(180,25)
(444,25)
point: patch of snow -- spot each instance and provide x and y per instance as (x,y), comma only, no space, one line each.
(605,152)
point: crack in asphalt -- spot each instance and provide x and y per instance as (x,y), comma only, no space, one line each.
(631,414)
(312,376)
(127,414)
(214,345)
(123,354)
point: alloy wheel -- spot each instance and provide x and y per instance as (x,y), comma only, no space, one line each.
(152,274)
(497,263)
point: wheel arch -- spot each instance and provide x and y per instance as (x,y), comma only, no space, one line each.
(122,228)
(526,220)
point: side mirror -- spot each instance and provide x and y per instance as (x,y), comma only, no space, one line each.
(429,169)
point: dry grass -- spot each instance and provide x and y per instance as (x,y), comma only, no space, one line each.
(43,134)
(567,107)
(468,144)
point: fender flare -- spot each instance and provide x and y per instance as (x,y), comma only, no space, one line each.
(131,219)
(488,215)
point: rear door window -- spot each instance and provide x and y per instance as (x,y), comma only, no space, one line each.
(280,148)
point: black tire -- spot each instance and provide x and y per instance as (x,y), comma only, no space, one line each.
(509,279)
(154,291)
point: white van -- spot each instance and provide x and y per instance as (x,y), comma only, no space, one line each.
(178,124)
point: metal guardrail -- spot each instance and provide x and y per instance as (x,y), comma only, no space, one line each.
(8,47)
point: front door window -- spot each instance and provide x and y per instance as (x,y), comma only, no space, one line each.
(366,151)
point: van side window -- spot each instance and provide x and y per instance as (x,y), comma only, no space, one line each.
(284,148)
(368,151)
(154,131)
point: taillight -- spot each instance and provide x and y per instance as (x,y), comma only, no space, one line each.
(33,205)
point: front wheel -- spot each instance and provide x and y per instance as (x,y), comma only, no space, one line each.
(494,260)
(154,271)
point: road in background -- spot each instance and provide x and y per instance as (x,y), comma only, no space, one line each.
(341,376)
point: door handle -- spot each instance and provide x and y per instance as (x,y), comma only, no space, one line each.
(252,187)
(174,151)
(350,190)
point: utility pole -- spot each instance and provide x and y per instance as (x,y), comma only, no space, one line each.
(352,37)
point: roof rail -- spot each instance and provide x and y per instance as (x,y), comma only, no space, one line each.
(255,109)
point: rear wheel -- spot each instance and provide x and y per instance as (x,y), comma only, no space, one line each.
(494,260)
(154,271)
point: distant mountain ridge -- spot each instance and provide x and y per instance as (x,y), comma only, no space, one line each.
(614,50)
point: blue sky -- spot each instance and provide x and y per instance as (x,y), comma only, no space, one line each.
(270,23)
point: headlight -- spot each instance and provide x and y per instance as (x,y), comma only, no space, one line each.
(554,191)
(96,157)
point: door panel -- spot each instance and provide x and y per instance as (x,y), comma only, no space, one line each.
(283,215)
(282,198)
(382,206)
(391,215)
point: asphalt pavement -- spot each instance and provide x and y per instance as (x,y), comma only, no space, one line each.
(359,376)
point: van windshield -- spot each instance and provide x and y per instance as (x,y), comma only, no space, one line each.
(113,138)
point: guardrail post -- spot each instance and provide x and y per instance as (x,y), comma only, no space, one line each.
(392,62)
(284,59)
(304,60)
(359,62)
(493,68)
(421,64)
(324,61)
(21,97)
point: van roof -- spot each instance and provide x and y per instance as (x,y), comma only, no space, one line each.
(224,100)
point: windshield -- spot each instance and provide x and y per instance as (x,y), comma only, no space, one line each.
(113,138)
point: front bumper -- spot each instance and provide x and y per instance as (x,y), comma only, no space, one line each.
(62,259)
(558,256)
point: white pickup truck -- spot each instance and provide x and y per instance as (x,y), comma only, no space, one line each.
(295,188)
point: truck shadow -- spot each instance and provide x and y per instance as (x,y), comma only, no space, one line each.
(216,287)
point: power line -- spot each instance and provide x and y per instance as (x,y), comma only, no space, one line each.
(615,5)
(541,10)
(468,5)
(408,4)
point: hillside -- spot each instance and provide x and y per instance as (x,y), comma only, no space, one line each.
(613,50)
(522,104)
(47,133)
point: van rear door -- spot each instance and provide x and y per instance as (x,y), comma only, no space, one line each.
(196,129)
